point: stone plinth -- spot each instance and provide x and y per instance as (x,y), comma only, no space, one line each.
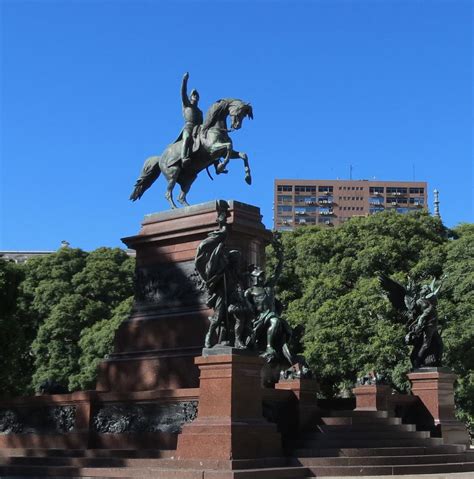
(435,388)
(156,347)
(305,392)
(230,424)
(373,397)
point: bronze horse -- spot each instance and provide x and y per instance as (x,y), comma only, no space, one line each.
(212,143)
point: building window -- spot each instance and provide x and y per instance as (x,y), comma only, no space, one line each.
(325,200)
(376,189)
(417,191)
(284,188)
(305,189)
(324,189)
(284,209)
(396,189)
(284,198)
(417,200)
(396,199)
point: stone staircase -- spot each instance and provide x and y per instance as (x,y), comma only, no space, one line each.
(371,443)
(347,443)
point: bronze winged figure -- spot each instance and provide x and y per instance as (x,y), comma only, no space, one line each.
(416,305)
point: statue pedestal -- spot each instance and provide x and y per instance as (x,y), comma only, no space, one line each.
(374,397)
(155,348)
(230,424)
(435,389)
(305,391)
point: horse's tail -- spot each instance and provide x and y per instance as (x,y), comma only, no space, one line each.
(150,172)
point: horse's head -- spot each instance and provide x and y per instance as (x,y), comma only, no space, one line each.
(238,110)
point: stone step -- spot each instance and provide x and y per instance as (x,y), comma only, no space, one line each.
(355,413)
(84,461)
(292,472)
(386,451)
(365,427)
(439,475)
(310,446)
(344,420)
(151,453)
(381,460)
(363,434)
(321,471)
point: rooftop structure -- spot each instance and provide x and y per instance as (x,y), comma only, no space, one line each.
(331,202)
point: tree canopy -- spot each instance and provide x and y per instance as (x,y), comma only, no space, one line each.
(51,306)
(329,285)
(59,313)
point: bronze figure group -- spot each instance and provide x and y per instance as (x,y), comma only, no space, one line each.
(247,315)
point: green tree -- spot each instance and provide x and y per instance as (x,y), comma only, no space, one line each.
(330,286)
(15,360)
(457,307)
(87,293)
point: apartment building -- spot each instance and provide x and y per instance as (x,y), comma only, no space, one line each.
(331,202)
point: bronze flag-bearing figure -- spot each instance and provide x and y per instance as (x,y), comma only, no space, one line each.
(221,272)
(200,145)
(417,305)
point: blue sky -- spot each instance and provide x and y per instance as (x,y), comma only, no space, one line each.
(89,89)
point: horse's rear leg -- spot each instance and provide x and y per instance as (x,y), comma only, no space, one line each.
(185,187)
(169,192)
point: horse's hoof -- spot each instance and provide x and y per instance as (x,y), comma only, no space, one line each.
(221,168)
(248,179)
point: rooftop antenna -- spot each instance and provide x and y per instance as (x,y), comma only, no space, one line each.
(436,204)
(413,171)
(350,172)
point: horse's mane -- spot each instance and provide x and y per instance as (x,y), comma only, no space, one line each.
(215,110)
(221,106)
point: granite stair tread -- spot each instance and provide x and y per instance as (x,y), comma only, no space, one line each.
(380,470)
(386,451)
(342,420)
(365,427)
(53,452)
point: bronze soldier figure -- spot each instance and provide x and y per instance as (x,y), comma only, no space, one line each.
(267,311)
(192,119)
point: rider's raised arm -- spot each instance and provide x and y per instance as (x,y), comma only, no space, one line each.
(184,90)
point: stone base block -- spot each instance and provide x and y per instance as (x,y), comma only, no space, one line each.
(372,397)
(305,392)
(207,439)
(230,424)
(435,388)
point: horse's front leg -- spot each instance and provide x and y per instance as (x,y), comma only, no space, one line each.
(220,168)
(240,154)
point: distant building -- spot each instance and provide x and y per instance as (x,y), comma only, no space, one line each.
(22,256)
(331,202)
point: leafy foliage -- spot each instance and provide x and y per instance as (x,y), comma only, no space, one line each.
(56,302)
(329,285)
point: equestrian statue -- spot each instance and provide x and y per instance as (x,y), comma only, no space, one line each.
(199,145)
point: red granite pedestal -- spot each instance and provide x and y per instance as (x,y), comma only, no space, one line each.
(373,397)
(305,392)
(156,347)
(230,424)
(435,389)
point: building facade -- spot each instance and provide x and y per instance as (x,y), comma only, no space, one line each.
(331,202)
